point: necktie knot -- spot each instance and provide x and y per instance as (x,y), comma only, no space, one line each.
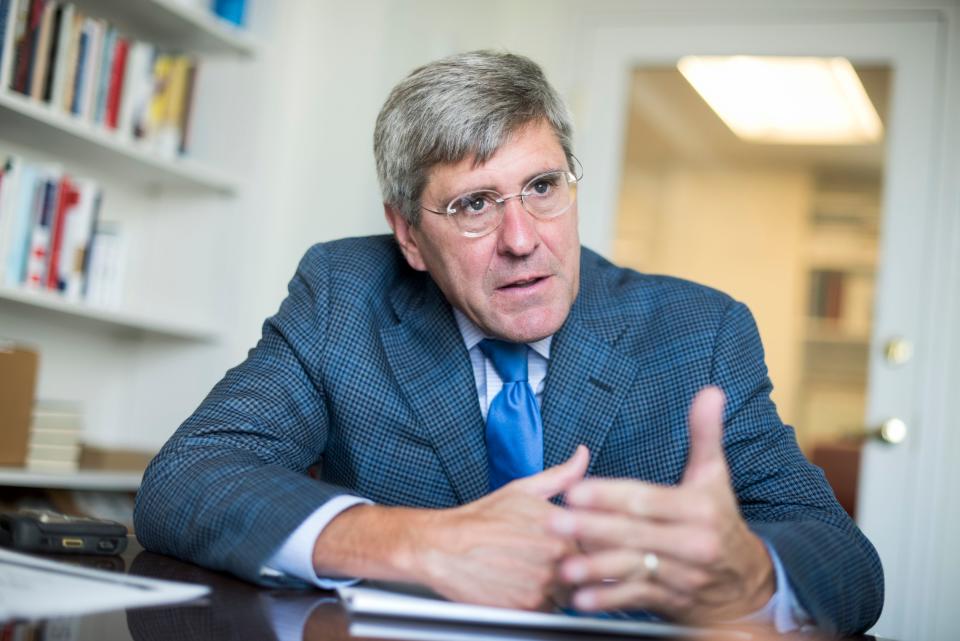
(509,359)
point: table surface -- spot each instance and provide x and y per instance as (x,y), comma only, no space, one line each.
(239,610)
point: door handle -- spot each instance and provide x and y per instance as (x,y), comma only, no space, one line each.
(892,431)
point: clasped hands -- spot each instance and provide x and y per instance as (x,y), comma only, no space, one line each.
(683,552)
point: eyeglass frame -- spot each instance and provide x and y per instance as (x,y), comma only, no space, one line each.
(573,177)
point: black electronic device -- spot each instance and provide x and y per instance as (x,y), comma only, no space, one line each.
(44,531)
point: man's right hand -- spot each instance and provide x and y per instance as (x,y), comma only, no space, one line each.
(498,550)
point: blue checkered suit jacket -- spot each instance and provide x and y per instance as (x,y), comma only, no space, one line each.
(364,370)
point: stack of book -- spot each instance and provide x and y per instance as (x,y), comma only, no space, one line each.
(54,442)
(84,66)
(51,236)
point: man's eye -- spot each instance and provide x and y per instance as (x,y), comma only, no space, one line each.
(473,204)
(544,185)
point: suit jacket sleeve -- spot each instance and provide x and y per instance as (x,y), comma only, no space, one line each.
(230,485)
(834,570)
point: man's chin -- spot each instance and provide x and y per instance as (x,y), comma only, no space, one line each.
(528,327)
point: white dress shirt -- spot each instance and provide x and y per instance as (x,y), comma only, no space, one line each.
(295,556)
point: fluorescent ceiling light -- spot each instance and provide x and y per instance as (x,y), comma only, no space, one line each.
(813,101)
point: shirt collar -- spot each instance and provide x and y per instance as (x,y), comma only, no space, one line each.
(472,335)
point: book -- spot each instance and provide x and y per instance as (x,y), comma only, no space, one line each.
(28,26)
(23,207)
(106,273)
(78,234)
(95,33)
(117,71)
(60,71)
(187,113)
(104,74)
(53,53)
(9,186)
(73,51)
(41,56)
(6,7)
(38,257)
(67,198)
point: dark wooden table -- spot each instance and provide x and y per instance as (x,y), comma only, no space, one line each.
(238,610)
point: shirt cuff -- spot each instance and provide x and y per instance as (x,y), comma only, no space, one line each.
(295,556)
(783,611)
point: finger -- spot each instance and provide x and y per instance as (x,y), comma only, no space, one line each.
(556,479)
(625,564)
(706,434)
(636,498)
(631,595)
(597,532)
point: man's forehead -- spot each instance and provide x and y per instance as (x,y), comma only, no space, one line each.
(529,151)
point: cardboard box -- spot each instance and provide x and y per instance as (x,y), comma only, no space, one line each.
(18,385)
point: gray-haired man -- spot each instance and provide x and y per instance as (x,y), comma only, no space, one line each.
(435,373)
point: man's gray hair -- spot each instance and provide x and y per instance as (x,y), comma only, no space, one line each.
(466,105)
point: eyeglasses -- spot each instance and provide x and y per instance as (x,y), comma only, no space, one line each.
(546,196)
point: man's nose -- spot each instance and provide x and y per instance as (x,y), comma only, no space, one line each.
(518,233)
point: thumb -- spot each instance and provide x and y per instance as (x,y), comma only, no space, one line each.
(558,478)
(706,433)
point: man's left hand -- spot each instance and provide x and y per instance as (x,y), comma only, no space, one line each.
(682,552)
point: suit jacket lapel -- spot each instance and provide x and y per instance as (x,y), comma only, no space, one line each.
(432,368)
(586,382)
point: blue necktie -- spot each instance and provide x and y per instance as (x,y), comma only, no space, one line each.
(514,428)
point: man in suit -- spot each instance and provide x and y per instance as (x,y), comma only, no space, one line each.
(501,414)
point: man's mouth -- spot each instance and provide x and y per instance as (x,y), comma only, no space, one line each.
(523,283)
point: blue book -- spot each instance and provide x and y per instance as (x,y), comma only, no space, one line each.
(103,81)
(4,17)
(231,10)
(82,47)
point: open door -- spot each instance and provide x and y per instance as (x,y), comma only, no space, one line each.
(826,243)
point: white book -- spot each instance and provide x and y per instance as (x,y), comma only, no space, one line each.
(54,437)
(41,465)
(105,280)
(76,239)
(9,186)
(137,71)
(38,452)
(22,223)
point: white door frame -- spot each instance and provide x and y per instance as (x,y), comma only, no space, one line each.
(899,518)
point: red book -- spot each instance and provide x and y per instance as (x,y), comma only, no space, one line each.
(116,82)
(68,198)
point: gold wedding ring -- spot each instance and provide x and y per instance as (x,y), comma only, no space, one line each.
(651,563)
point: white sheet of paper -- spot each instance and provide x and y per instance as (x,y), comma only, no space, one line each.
(33,588)
(379,602)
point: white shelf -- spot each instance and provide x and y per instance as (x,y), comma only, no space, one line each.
(175,24)
(79,480)
(111,318)
(27,122)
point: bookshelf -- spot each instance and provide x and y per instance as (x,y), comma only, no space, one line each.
(81,480)
(840,261)
(129,368)
(26,122)
(111,319)
(178,24)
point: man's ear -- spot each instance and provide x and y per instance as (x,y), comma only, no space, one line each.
(403,232)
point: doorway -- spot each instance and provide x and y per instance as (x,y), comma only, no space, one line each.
(890,201)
